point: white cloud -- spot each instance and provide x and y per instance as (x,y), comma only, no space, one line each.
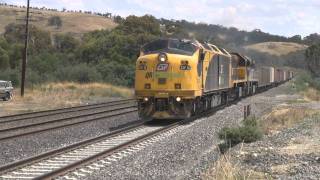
(285,17)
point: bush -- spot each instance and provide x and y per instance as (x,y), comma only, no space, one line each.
(81,73)
(55,21)
(4,59)
(248,132)
(11,75)
(306,80)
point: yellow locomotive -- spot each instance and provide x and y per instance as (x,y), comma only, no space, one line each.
(179,78)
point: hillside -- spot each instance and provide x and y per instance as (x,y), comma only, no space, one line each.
(74,23)
(276,48)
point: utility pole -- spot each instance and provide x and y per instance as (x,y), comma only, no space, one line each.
(25,52)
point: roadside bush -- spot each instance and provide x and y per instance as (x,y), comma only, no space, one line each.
(11,75)
(81,73)
(305,80)
(248,132)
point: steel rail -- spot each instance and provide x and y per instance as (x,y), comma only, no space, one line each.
(25,162)
(105,153)
(64,125)
(59,111)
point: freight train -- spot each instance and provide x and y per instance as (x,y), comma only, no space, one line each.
(176,79)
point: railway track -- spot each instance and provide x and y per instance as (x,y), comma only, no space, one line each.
(77,160)
(31,115)
(58,119)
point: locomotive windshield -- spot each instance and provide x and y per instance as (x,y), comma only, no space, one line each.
(173,46)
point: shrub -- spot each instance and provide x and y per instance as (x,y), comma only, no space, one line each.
(11,75)
(4,59)
(306,80)
(248,132)
(81,73)
(55,21)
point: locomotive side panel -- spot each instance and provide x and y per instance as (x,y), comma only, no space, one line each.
(224,72)
(212,78)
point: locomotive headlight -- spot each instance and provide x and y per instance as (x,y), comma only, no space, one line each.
(146,99)
(162,57)
(178,99)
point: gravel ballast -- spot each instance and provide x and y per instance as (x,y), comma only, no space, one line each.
(32,145)
(188,153)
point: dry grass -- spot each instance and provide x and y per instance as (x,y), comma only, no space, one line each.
(277,48)
(311,94)
(285,117)
(58,95)
(75,23)
(224,169)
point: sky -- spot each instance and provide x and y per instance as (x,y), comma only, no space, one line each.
(281,17)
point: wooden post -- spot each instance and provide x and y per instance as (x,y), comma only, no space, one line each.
(25,52)
(246,111)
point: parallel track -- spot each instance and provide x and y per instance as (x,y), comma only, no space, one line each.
(42,125)
(31,115)
(59,162)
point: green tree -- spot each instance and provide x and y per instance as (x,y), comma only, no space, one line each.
(4,59)
(16,55)
(65,43)
(39,40)
(313,59)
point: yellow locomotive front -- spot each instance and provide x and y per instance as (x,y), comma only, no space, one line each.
(166,81)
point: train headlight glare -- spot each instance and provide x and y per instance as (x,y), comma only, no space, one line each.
(178,99)
(162,57)
(146,99)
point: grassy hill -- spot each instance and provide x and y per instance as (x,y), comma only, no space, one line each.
(74,23)
(277,48)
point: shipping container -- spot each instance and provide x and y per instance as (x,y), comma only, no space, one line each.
(265,76)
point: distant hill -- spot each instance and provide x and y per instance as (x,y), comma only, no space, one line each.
(276,48)
(72,22)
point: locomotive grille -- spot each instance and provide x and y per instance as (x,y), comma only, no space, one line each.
(162,81)
(162,105)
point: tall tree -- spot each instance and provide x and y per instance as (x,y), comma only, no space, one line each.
(313,59)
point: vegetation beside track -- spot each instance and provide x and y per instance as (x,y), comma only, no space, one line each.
(58,95)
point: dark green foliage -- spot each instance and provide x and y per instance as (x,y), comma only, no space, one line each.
(248,132)
(81,73)
(55,21)
(10,75)
(39,40)
(312,39)
(116,73)
(4,59)
(65,43)
(295,59)
(306,80)
(4,54)
(15,54)
(313,59)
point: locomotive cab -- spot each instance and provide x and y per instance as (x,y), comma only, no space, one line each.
(166,78)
